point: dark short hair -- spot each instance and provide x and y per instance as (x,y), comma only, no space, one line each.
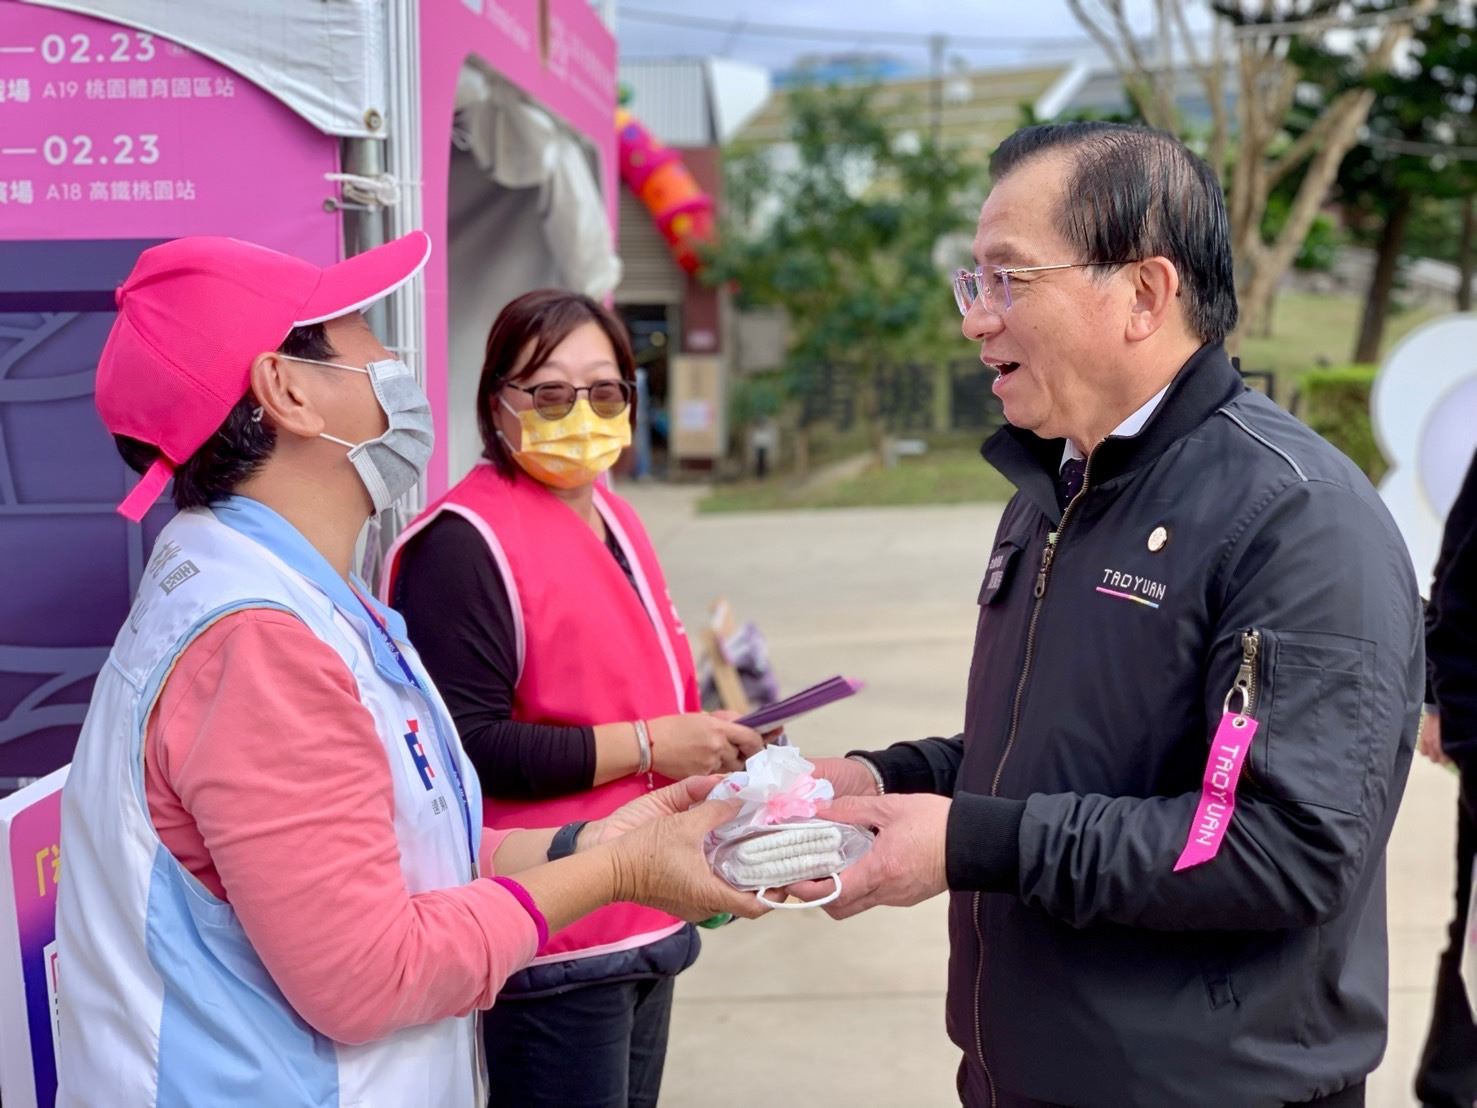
(1132,193)
(544,318)
(240,444)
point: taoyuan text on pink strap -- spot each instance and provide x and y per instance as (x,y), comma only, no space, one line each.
(1218,790)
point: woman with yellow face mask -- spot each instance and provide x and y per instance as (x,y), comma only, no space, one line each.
(539,607)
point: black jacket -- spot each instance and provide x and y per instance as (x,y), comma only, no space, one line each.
(1451,625)
(1083,969)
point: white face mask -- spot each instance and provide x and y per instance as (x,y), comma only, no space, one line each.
(801,905)
(802,851)
(393,463)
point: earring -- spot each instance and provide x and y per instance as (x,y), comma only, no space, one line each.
(257,413)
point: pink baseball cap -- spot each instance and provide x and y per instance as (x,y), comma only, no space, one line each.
(195,313)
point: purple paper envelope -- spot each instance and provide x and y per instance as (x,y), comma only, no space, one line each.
(807,700)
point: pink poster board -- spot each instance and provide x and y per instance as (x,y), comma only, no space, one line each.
(108,132)
(30,868)
(564,58)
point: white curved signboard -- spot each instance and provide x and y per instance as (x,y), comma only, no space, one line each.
(1424,409)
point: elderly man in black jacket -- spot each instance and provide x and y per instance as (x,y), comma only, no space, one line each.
(1447,1077)
(1196,681)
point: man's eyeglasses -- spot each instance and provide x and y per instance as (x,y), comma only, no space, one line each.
(993,283)
(556,399)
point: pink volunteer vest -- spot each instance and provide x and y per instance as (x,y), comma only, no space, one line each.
(590,651)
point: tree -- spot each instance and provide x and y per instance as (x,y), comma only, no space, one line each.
(1261,46)
(1148,70)
(1410,164)
(844,239)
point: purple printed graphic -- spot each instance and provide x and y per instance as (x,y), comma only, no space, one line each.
(71,563)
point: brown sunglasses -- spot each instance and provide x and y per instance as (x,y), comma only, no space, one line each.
(556,399)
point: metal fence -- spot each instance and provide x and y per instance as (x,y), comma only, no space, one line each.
(909,400)
(908,397)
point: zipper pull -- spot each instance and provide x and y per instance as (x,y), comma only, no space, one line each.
(1047,554)
(1245,683)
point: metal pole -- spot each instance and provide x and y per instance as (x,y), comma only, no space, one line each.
(936,45)
(364,230)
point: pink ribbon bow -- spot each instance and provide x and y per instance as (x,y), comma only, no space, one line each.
(795,802)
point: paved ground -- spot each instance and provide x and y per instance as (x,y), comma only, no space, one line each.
(798,1009)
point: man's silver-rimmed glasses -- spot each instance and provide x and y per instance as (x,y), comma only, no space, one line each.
(993,282)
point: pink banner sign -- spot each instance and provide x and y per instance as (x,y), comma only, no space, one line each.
(558,51)
(109,132)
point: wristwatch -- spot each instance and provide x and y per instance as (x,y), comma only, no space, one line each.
(563,842)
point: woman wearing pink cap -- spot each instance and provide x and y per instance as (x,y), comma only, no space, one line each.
(273,836)
(540,607)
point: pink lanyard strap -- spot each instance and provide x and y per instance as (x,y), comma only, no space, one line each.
(1218,790)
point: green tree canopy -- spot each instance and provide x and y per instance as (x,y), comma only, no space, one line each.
(842,227)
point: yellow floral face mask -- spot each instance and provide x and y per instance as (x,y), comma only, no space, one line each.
(572,450)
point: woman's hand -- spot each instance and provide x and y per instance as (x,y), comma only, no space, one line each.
(661,865)
(644,809)
(701,743)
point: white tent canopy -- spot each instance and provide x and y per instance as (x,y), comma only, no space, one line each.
(520,146)
(326,61)
(525,212)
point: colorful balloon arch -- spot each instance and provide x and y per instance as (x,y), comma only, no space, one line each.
(655,173)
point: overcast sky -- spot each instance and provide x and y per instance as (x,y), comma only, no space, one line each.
(985,32)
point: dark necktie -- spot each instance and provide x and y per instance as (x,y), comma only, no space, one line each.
(1069,484)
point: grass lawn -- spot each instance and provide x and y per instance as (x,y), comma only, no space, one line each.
(948,475)
(1313,331)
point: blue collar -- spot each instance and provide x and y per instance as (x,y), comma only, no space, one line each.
(259,523)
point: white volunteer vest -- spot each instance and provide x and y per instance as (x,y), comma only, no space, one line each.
(163,1000)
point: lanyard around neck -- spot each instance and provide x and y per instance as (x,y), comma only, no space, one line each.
(448,756)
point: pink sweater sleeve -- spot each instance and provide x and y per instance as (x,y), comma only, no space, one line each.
(266,778)
(487,856)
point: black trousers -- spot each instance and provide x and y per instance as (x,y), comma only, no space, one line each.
(595,1046)
(1447,1077)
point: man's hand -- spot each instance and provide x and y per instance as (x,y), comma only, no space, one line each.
(847,776)
(906,863)
(661,865)
(641,811)
(1429,742)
